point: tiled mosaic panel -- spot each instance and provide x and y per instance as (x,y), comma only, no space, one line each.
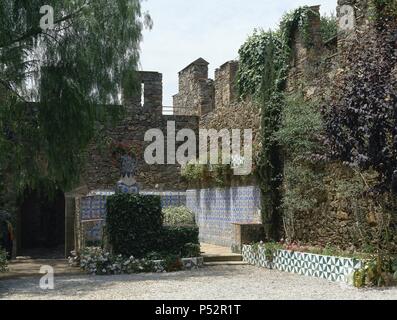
(217,209)
(326,267)
(93,207)
(256,257)
(170,199)
(93,230)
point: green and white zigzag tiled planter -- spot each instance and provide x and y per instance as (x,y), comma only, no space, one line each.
(331,268)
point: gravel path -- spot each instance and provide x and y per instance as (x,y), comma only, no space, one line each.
(209,283)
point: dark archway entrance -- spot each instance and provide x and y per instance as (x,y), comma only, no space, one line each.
(42,225)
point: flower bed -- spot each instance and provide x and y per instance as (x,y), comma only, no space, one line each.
(331,268)
(96,261)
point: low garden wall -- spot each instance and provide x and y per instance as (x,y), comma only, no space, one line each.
(337,269)
(217,209)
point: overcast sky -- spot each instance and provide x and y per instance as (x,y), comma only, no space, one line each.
(185,30)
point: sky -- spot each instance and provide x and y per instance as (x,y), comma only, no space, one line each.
(185,30)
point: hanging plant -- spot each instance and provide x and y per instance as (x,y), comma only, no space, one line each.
(297,20)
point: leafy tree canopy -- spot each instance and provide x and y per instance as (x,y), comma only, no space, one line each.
(81,63)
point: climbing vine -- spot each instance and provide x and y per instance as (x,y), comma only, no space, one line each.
(253,59)
(383,9)
(264,65)
(297,20)
(253,54)
(329,27)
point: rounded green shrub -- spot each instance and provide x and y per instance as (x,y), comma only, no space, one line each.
(174,216)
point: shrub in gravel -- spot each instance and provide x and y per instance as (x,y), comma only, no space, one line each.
(177,216)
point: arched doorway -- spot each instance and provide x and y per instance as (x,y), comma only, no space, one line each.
(42,225)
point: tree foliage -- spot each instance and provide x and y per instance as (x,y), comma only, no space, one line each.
(300,137)
(82,64)
(302,129)
(361,118)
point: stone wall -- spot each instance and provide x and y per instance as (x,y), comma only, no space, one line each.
(313,70)
(225,110)
(341,218)
(225,84)
(102,172)
(237,115)
(338,219)
(196,91)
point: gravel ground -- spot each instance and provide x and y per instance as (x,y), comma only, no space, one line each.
(209,283)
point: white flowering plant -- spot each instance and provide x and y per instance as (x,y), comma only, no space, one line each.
(97,261)
(177,216)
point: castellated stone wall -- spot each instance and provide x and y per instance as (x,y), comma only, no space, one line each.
(334,221)
(102,172)
(225,84)
(313,69)
(230,112)
(217,104)
(196,91)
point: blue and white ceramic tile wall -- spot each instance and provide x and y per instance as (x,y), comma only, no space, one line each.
(217,209)
(331,268)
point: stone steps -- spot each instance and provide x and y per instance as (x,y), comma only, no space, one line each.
(223,258)
(225,263)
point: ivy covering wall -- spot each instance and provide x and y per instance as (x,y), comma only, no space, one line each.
(326,167)
(264,64)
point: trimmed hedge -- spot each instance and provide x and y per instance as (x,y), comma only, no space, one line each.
(134,226)
(173,239)
(133,223)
